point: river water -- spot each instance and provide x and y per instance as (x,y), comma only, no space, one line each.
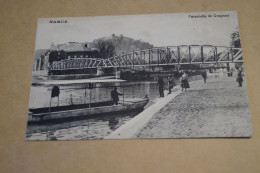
(93,127)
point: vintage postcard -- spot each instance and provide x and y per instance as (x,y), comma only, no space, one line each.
(138,76)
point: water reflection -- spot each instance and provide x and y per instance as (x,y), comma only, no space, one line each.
(112,123)
(90,128)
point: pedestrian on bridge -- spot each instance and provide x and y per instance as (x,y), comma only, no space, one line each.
(184,81)
(160,82)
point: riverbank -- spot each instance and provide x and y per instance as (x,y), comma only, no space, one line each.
(136,124)
(216,109)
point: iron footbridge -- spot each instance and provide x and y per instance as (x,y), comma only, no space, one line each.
(158,56)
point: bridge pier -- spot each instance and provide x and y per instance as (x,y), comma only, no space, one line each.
(118,74)
(100,71)
(107,71)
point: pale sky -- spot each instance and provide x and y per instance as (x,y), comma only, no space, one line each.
(170,29)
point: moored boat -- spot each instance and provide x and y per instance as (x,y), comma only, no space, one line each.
(71,111)
(84,110)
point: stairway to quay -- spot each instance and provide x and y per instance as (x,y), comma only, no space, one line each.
(218,108)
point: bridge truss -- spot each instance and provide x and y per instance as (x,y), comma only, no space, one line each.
(159,56)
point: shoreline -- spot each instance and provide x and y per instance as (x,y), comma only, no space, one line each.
(132,127)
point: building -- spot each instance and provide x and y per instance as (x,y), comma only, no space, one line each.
(65,51)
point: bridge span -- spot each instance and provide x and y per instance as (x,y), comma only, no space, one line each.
(157,56)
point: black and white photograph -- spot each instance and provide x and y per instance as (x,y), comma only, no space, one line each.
(172,75)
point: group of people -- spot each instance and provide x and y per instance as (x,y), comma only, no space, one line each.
(183,80)
(239,78)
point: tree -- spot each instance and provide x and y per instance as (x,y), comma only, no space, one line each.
(235,39)
(106,48)
(235,42)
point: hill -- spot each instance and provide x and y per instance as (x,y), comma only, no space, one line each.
(125,44)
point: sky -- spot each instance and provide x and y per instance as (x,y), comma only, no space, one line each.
(170,29)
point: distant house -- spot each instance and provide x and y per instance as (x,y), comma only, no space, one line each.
(72,50)
(65,51)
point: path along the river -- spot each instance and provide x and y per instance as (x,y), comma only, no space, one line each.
(218,108)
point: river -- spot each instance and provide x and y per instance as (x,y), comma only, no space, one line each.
(93,127)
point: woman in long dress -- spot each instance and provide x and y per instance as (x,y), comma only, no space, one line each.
(184,81)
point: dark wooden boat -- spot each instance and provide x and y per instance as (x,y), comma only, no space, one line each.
(79,110)
(86,109)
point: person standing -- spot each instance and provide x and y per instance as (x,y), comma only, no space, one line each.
(114,96)
(204,75)
(184,81)
(239,77)
(160,82)
(170,84)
